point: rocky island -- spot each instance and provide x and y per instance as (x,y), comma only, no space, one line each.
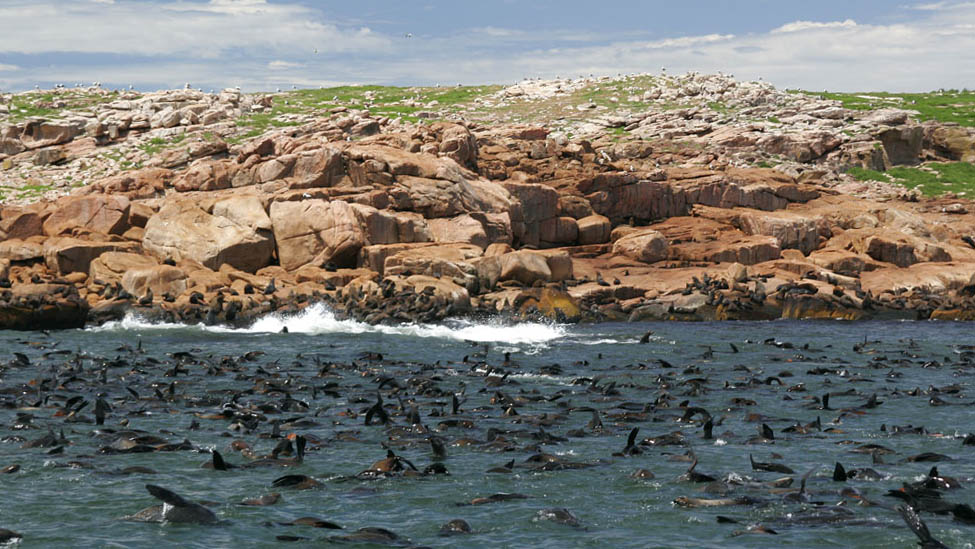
(692,197)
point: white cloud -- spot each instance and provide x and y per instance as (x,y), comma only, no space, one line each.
(799,26)
(262,45)
(176,27)
(932,6)
(498,32)
(282,65)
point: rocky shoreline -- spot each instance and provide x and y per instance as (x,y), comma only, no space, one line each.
(661,214)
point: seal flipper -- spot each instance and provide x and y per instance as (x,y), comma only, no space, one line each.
(839,473)
(218,463)
(920,529)
(167,496)
(805,477)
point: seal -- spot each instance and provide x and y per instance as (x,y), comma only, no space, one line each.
(175,508)
(560,515)
(914,522)
(456,527)
(9,536)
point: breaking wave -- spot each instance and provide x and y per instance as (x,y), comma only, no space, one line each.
(318,319)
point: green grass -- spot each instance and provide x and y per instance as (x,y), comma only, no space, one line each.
(153,146)
(32,190)
(864,174)
(719,107)
(380,99)
(933,179)
(391,101)
(41,104)
(948,106)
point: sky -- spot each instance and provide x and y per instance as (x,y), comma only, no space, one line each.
(263,45)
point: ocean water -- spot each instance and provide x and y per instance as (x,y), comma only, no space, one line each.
(744,374)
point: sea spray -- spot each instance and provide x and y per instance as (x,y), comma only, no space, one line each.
(319,319)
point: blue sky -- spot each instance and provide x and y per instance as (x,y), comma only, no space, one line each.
(851,45)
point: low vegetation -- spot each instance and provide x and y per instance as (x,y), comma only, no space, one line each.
(395,102)
(48,104)
(931,179)
(944,105)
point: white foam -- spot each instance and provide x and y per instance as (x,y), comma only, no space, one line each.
(133,322)
(608,341)
(318,319)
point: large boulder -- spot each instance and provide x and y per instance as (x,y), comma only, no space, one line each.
(135,184)
(22,221)
(457,143)
(557,231)
(322,167)
(205,175)
(446,198)
(452,293)
(622,196)
(953,143)
(70,255)
(110,267)
(647,246)
(45,133)
(526,267)
(462,228)
(791,230)
(574,206)
(97,213)
(447,260)
(903,143)
(863,154)
(802,146)
(183,230)
(161,279)
(748,250)
(11,146)
(594,229)
(898,251)
(400,162)
(246,210)
(316,231)
(15,249)
(536,203)
(381,226)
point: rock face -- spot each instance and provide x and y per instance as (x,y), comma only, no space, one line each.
(594,229)
(316,231)
(42,307)
(186,231)
(160,279)
(102,214)
(389,221)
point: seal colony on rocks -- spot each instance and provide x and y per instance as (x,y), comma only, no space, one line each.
(388,221)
